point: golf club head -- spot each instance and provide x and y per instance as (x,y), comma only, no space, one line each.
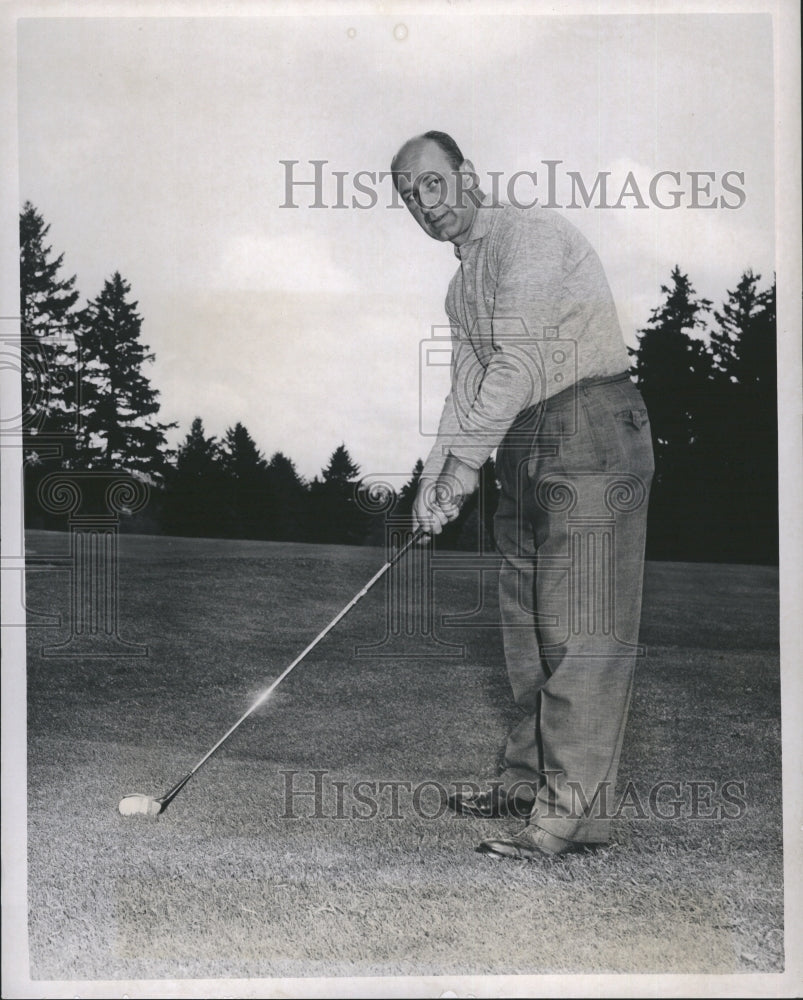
(139,805)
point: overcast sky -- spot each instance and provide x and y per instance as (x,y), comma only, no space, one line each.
(153,147)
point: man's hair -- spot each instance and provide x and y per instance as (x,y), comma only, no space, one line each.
(441,139)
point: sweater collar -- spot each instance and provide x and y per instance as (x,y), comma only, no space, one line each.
(481,224)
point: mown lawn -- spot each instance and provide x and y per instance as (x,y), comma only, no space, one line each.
(226,884)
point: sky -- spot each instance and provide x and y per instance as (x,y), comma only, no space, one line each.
(154,146)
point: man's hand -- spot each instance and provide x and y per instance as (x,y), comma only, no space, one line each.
(455,484)
(438,502)
(427,513)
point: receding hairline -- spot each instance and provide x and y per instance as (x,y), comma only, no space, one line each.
(411,146)
(416,143)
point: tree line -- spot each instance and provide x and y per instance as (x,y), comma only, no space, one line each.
(708,377)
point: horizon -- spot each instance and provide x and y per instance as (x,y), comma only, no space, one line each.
(154,146)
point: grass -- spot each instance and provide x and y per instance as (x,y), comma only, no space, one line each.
(223,885)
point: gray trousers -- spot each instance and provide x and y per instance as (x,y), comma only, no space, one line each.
(575,476)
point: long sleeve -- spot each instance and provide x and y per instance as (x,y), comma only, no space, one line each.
(526,307)
(531,314)
(450,432)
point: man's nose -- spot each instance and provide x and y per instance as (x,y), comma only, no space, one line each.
(431,202)
(432,210)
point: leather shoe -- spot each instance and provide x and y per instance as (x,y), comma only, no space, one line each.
(492,803)
(528,844)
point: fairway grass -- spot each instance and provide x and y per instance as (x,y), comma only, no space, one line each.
(227,884)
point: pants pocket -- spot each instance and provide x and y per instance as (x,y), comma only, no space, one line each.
(636,415)
(635,440)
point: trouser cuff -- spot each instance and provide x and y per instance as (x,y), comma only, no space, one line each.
(583,831)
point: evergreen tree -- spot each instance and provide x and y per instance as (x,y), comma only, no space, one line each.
(408,492)
(341,470)
(744,345)
(733,322)
(241,457)
(712,409)
(287,495)
(672,367)
(49,348)
(741,435)
(119,405)
(334,514)
(245,511)
(757,362)
(198,456)
(193,498)
(675,372)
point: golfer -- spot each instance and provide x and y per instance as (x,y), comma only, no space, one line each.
(540,374)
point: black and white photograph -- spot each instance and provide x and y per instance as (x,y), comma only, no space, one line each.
(401,499)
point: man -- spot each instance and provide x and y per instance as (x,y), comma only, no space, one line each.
(539,372)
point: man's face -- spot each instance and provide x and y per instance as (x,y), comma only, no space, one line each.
(436,194)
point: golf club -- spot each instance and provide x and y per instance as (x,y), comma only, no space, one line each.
(145,805)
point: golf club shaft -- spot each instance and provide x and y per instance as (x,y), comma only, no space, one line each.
(417,535)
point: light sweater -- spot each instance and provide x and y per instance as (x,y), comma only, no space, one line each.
(531,313)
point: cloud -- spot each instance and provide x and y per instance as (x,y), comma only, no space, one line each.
(155,146)
(302,372)
(639,247)
(297,262)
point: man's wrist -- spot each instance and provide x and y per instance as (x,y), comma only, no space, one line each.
(453,465)
(457,481)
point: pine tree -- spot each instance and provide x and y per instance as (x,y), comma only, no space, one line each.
(49,349)
(241,457)
(341,470)
(744,344)
(672,366)
(408,492)
(334,514)
(119,404)
(742,434)
(198,456)
(287,508)
(246,487)
(734,322)
(758,352)
(193,498)
(675,372)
